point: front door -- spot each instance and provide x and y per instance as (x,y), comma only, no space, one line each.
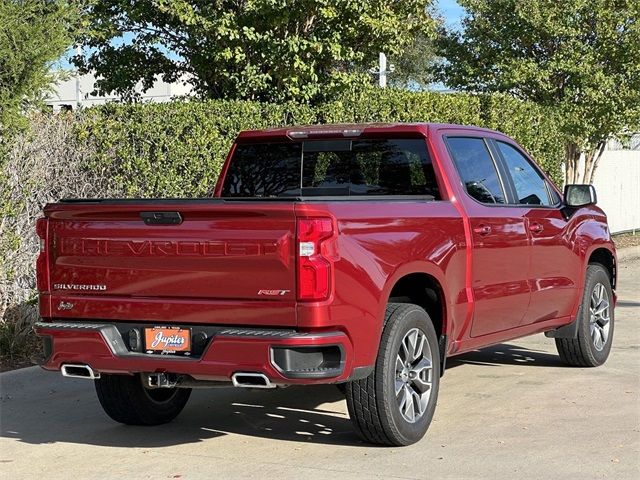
(554,265)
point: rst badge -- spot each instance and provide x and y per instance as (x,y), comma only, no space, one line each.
(273,293)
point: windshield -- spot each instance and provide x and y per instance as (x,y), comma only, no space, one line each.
(318,168)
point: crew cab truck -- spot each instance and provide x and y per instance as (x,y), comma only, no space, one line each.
(362,255)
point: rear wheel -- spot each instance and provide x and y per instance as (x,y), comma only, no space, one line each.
(126,400)
(394,405)
(595,320)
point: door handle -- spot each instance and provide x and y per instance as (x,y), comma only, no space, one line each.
(482,229)
(536,227)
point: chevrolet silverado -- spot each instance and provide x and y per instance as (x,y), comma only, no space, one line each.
(359,255)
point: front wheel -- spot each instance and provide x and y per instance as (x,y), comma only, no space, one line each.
(394,405)
(595,320)
(126,400)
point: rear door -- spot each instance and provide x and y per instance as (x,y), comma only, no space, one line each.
(500,250)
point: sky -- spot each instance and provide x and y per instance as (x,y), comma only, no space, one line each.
(451,11)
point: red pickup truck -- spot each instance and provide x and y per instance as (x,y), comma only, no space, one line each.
(362,255)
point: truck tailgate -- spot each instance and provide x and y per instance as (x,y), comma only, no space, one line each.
(220,254)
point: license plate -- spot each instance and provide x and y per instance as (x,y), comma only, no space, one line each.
(168,340)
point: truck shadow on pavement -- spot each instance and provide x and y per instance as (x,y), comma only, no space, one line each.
(72,414)
(627,304)
(43,408)
(507,354)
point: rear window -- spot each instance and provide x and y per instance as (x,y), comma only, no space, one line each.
(318,168)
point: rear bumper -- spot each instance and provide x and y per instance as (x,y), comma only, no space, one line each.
(229,350)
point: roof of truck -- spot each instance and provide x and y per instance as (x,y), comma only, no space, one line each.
(350,130)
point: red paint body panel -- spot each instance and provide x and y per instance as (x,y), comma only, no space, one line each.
(200,258)
(209,269)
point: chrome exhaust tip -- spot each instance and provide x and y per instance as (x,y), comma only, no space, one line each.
(251,380)
(78,370)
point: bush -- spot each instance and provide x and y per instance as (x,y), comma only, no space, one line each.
(392,105)
(42,164)
(534,127)
(173,149)
(177,150)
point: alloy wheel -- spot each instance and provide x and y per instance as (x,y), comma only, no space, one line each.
(414,375)
(599,316)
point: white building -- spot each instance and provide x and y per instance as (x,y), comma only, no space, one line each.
(76,90)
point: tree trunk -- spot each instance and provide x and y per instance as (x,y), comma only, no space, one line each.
(591,162)
(572,163)
(573,173)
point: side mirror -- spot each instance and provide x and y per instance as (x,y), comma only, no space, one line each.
(579,195)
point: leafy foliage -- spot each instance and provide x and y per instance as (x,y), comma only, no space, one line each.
(396,105)
(579,58)
(33,34)
(173,149)
(263,50)
(44,162)
(177,150)
(414,67)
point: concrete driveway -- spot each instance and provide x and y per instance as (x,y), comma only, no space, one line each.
(512,411)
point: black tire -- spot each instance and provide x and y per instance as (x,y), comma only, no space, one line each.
(126,400)
(373,407)
(582,350)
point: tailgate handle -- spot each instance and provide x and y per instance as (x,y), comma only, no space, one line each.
(161,218)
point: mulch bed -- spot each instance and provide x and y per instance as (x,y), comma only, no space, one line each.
(627,240)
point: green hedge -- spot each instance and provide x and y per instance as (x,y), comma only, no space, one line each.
(173,149)
(392,105)
(177,149)
(535,128)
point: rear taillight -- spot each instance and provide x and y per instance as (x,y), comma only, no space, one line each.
(42,263)
(316,254)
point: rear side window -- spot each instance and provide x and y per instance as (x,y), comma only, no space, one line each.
(476,169)
(331,168)
(530,185)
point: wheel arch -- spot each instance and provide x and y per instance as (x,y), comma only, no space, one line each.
(425,290)
(605,257)
(422,285)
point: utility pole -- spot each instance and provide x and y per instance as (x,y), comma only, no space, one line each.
(78,93)
(382,70)
(382,63)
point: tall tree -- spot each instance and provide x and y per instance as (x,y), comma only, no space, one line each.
(579,57)
(251,49)
(414,67)
(33,34)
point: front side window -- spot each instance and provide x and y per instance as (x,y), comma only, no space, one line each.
(530,185)
(476,169)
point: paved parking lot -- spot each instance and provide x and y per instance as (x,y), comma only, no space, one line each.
(512,411)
